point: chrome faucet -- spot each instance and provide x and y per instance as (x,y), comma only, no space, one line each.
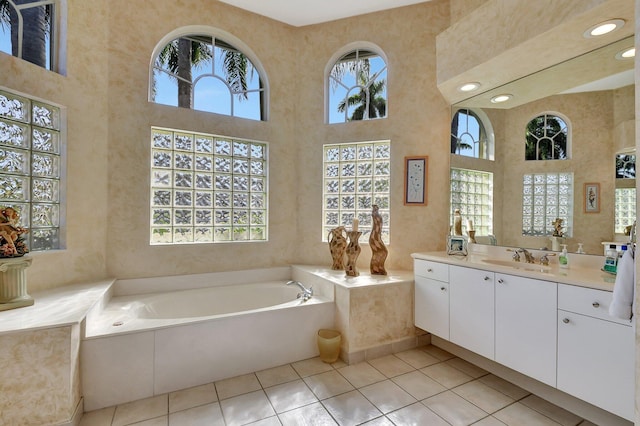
(305,294)
(528,257)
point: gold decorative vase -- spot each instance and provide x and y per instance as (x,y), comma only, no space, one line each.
(337,246)
(353,251)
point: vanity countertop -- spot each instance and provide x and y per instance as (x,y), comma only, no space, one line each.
(590,275)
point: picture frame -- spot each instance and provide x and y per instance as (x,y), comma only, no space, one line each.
(591,197)
(457,245)
(415,180)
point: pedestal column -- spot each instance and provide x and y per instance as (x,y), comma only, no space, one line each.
(13,283)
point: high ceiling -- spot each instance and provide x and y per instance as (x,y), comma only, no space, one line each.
(303,12)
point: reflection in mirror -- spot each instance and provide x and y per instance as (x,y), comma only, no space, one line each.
(518,166)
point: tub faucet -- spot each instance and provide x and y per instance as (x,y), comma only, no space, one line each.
(306,292)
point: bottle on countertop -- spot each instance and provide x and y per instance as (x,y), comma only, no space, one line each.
(563,259)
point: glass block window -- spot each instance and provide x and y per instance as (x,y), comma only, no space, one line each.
(468,135)
(472,194)
(29,30)
(625,208)
(202,72)
(547,138)
(545,197)
(207,188)
(356,176)
(357,87)
(30,166)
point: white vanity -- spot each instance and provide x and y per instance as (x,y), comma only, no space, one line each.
(546,323)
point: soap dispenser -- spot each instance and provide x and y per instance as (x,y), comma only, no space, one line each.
(563,259)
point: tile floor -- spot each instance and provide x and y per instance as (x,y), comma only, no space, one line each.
(422,386)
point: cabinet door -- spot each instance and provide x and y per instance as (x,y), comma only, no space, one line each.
(596,362)
(432,306)
(471,307)
(526,326)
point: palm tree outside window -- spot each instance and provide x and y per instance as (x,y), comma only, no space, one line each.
(469,136)
(547,138)
(205,73)
(357,87)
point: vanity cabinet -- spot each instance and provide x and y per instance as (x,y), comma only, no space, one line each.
(525,326)
(471,309)
(432,297)
(596,352)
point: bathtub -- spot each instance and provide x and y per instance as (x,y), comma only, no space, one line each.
(142,342)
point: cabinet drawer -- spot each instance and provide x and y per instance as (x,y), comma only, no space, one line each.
(587,301)
(433,270)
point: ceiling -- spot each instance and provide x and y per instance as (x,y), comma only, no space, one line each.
(303,12)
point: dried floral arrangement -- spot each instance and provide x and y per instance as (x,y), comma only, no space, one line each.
(12,243)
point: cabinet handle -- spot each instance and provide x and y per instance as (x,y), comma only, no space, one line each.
(566,320)
(442,288)
(429,270)
(500,280)
(595,304)
(486,278)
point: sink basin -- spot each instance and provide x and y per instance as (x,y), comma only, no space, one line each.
(518,265)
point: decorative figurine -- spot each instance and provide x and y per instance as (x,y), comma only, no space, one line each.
(457,222)
(337,245)
(378,250)
(557,227)
(353,250)
(11,241)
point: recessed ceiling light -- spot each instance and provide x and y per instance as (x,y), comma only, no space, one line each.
(501,98)
(628,53)
(469,87)
(604,28)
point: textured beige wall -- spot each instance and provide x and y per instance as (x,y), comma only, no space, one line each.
(83,91)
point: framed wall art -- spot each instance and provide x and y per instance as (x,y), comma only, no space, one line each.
(591,200)
(415,181)
(457,245)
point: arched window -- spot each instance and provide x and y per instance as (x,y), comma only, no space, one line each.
(204,72)
(31,31)
(471,134)
(547,138)
(357,86)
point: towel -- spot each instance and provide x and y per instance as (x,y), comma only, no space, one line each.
(623,289)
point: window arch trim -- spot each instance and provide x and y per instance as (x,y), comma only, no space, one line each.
(350,47)
(215,33)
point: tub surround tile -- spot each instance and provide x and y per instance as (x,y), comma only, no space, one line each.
(454,409)
(416,415)
(391,366)
(362,374)
(419,385)
(247,408)
(387,396)
(277,375)
(326,385)
(351,408)
(144,409)
(203,415)
(237,386)
(312,414)
(446,375)
(192,397)
(289,396)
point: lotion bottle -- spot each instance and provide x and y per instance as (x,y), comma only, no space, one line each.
(563,259)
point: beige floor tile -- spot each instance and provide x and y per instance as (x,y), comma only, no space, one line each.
(587,423)
(380,421)
(419,385)
(485,397)
(158,421)
(416,415)
(351,408)
(311,366)
(489,421)
(277,375)
(446,375)
(309,415)
(391,366)
(387,396)
(503,386)
(192,397)
(552,411)
(328,384)
(238,385)
(288,396)
(454,409)
(361,374)
(101,417)
(520,415)
(203,415)
(247,408)
(467,368)
(435,351)
(269,421)
(417,358)
(143,409)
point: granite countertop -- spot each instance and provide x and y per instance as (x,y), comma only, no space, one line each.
(365,279)
(585,273)
(58,307)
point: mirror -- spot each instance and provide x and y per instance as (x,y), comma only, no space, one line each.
(594,96)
